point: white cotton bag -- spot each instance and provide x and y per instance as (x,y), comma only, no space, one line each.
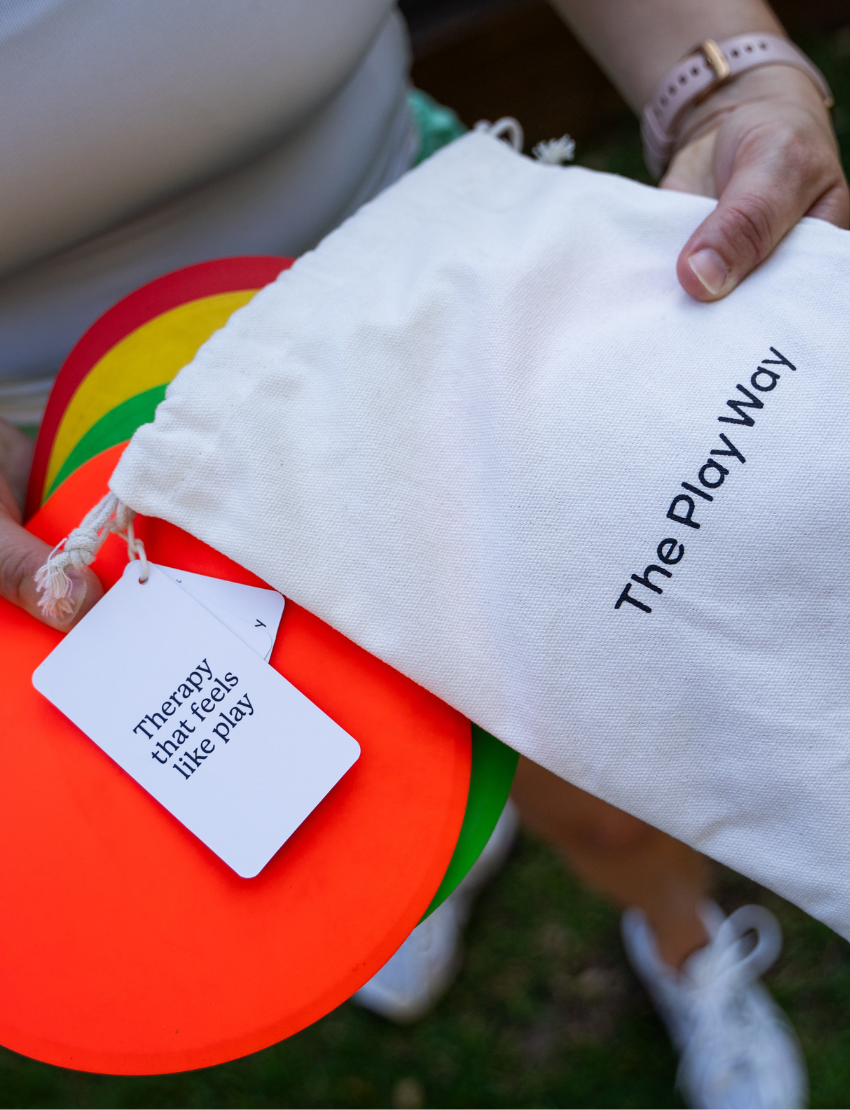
(483,432)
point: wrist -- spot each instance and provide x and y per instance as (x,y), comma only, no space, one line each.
(774,83)
(637,41)
(703,73)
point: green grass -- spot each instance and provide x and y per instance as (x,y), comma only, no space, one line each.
(546,1011)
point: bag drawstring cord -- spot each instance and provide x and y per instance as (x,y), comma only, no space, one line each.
(505,128)
(79,549)
(552,152)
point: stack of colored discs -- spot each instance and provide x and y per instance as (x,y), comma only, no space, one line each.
(129,947)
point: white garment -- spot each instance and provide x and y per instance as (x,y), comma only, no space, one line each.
(148,135)
(454,432)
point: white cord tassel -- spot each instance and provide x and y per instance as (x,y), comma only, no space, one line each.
(554,152)
(78,551)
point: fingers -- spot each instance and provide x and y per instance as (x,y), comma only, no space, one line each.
(770,172)
(16,452)
(21,554)
(833,206)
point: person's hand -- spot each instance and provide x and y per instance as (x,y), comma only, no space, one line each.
(764,146)
(21,554)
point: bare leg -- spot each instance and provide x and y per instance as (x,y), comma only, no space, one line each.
(620,856)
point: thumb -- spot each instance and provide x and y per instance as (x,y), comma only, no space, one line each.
(21,554)
(765,195)
(751,217)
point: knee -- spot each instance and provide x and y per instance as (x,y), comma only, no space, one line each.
(573,819)
(612,830)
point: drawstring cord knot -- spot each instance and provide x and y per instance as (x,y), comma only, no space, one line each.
(79,549)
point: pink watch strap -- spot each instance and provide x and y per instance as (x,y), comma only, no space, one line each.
(707,67)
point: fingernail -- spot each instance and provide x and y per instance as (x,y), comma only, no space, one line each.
(710,269)
(72,602)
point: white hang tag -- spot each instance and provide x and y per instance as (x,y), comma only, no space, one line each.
(215,734)
(261,609)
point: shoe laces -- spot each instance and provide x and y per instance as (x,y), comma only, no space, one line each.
(716,979)
(725,963)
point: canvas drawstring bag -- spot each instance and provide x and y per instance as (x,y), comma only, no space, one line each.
(483,432)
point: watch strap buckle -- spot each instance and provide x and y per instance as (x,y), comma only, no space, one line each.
(718,63)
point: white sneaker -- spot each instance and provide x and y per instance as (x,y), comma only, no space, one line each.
(736,1046)
(423,969)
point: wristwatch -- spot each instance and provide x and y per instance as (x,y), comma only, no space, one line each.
(704,69)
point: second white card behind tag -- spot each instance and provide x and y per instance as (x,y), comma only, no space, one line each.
(216,735)
(252,612)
